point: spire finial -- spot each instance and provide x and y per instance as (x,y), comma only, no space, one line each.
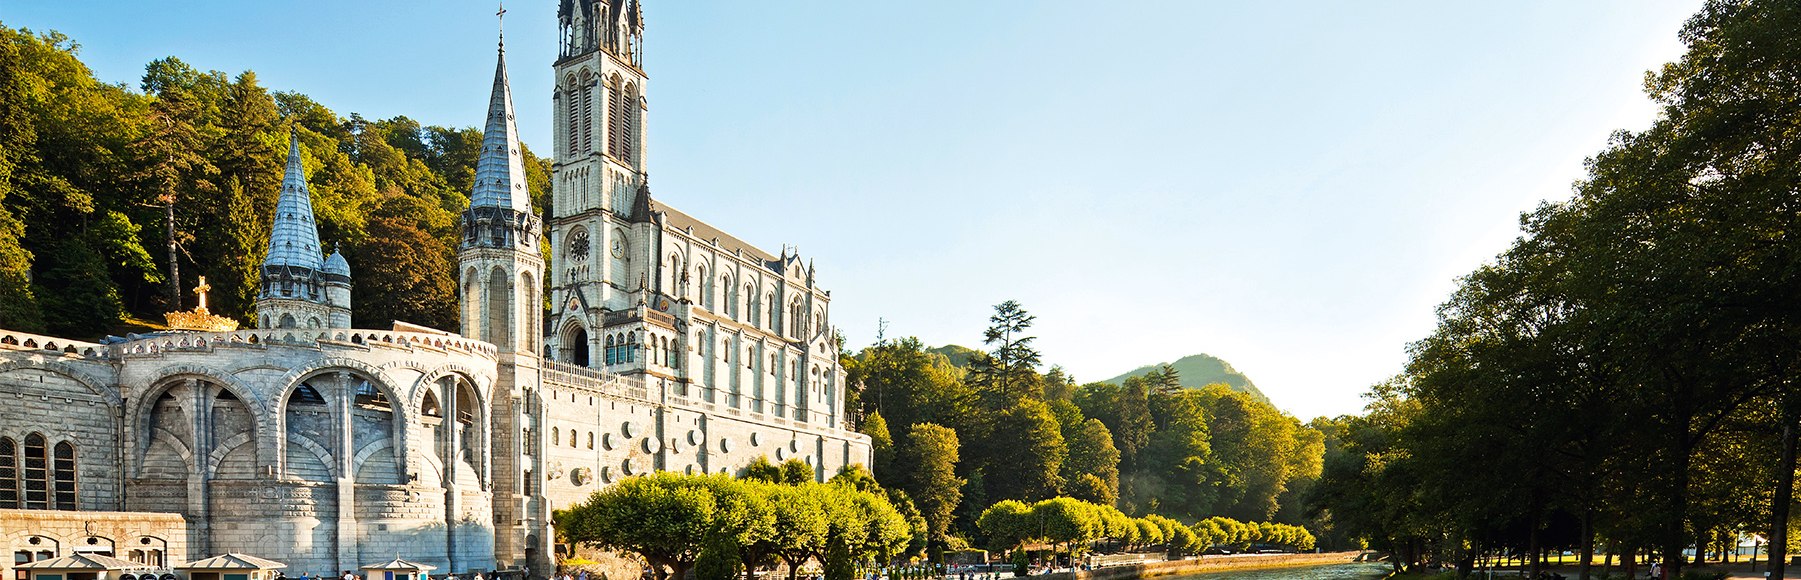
(501,24)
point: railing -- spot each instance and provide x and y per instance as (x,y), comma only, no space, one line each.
(595,380)
(10,340)
(188,341)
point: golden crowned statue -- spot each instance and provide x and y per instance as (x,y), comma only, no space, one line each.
(200,318)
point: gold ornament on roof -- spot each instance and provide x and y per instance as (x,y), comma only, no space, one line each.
(200,318)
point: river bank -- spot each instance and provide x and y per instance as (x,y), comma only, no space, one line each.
(1205,564)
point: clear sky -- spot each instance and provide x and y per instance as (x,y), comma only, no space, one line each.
(1290,186)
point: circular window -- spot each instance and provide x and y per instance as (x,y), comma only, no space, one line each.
(628,429)
(652,445)
(756,439)
(794,445)
(629,467)
(606,475)
(581,476)
(725,445)
(606,441)
(781,454)
(694,437)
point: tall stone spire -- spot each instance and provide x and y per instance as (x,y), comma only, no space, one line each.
(299,288)
(499,250)
(294,239)
(500,171)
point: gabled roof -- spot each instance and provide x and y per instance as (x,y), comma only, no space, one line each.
(399,564)
(233,561)
(81,561)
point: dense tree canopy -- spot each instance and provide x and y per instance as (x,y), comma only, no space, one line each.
(1622,375)
(114,201)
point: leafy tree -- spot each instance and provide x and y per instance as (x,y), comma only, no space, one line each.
(929,467)
(403,273)
(1092,472)
(881,442)
(796,472)
(718,560)
(1009,371)
(1067,521)
(760,469)
(667,518)
(1030,441)
(1007,524)
(856,477)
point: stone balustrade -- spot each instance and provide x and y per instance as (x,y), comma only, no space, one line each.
(13,340)
(191,341)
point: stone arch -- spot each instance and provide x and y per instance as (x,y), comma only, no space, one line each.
(71,371)
(358,461)
(225,448)
(319,452)
(167,377)
(404,409)
(497,309)
(573,340)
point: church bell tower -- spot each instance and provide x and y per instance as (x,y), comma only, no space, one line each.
(601,238)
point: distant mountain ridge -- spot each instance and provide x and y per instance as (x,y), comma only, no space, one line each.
(1196,370)
(1200,370)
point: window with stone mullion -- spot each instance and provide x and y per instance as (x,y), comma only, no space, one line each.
(36,478)
(65,476)
(9,473)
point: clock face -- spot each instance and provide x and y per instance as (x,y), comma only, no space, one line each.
(578,246)
(618,248)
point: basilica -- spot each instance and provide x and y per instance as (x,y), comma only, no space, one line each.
(667,345)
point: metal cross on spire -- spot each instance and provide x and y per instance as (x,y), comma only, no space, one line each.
(501,17)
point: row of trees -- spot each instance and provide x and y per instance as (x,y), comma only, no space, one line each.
(112,200)
(720,526)
(954,439)
(1623,377)
(1011,524)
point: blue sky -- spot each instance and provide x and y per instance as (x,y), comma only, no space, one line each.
(1291,186)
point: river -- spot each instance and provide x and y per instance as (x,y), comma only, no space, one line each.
(1364,571)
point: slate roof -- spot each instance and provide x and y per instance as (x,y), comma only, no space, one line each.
(500,170)
(294,239)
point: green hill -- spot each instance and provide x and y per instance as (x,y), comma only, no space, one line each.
(1200,370)
(959,355)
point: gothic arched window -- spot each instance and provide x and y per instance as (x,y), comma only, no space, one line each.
(64,476)
(612,356)
(430,407)
(587,89)
(756,306)
(34,479)
(9,474)
(571,110)
(615,117)
(629,141)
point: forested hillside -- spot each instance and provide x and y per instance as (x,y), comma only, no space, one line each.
(1011,432)
(113,198)
(1200,370)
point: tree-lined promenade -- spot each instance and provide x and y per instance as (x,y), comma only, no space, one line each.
(719,527)
(1623,377)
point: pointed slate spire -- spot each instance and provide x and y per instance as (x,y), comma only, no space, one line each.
(500,171)
(294,239)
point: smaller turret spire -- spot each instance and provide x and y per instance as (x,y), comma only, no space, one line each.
(294,238)
(500,170)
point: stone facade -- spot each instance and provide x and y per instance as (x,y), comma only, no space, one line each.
(672,347)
